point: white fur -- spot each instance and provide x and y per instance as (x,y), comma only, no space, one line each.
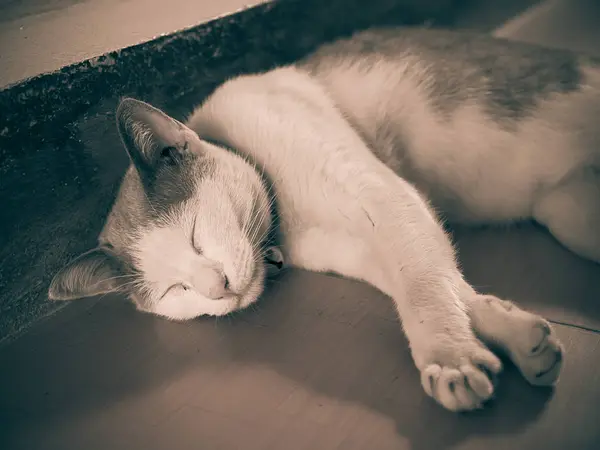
(183,282)
(343,210)
(510,167)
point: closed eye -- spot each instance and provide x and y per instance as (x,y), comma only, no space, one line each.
(174,287)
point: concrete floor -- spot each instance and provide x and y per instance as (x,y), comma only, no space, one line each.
(321,363)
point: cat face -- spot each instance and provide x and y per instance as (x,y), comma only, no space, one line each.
(187,234)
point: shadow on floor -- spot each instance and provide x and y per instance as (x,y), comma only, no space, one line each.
(334,362)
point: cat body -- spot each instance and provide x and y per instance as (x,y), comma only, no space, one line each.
(339,163)
(449,111)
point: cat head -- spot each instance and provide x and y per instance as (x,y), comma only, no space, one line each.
(187,235)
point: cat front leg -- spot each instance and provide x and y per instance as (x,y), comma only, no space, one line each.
(457,369)
(417,266)
(390,239)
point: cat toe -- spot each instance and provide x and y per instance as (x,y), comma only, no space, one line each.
(527,338)
(463,388)
(541,366)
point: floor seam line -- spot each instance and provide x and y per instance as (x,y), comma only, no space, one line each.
(572,325)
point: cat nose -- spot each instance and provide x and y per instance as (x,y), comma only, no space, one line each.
(216,284)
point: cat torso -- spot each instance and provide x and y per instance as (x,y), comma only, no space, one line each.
(450,111)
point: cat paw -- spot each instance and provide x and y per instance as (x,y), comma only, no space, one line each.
(528,339)
(460,376)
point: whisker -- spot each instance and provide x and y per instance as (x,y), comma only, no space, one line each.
(263,236)
(262,219)
(250,219)
(251,225)
(118,277)
(132,283)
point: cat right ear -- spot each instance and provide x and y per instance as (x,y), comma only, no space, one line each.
(92,273)
(150,136)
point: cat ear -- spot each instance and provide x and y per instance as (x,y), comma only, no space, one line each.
(92,273)
(274,261)
(150,136)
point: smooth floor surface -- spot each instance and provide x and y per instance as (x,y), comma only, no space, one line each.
(321,363)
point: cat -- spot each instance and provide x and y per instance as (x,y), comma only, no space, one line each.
(350,161)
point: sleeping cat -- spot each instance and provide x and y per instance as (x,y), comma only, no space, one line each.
(339,163)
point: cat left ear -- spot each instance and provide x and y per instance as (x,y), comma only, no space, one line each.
(150,136)
(93,273)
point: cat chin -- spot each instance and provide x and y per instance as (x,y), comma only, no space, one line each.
(189,307)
